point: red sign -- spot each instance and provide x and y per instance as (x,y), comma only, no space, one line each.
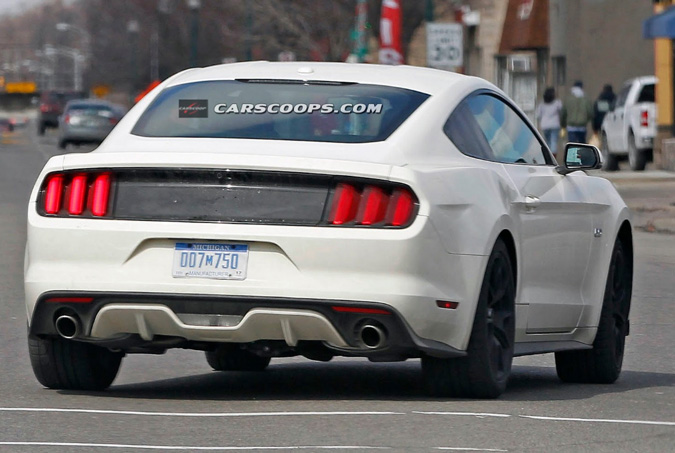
(391,47)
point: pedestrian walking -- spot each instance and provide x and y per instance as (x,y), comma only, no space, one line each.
(602,105)
(577,112)
(548,119)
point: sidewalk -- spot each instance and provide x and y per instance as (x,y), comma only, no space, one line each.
(650,195)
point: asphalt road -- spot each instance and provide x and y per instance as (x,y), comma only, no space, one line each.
(174,402)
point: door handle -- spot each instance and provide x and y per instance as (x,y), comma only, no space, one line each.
(531,203)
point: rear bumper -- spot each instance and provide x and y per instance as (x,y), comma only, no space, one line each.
(120,320)
(405,271)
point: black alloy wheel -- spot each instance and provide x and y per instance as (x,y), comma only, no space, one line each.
(602,364)
(485,371)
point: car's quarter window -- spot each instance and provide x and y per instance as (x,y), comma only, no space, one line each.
(279,109)
(484,126)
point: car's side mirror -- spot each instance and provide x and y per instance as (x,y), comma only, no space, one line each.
(580,156)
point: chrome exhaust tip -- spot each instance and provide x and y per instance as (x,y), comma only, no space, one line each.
(372,336)
(67,326)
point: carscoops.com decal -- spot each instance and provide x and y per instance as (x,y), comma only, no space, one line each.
(285,109)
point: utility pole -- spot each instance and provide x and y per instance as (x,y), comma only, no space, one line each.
(133,29)
(249,32)
(360,38)
(429,11)
(194,6)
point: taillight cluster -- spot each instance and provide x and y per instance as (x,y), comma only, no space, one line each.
(371,205)
(77,194)
(644,118)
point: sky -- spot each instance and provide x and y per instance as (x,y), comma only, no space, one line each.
(14,6)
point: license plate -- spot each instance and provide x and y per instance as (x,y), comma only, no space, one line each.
(219,261)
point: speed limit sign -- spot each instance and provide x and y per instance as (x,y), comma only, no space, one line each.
(444,45)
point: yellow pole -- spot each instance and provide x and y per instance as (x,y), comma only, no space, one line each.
(663,62)
(663,69)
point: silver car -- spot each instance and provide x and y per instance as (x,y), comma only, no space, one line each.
(87,121)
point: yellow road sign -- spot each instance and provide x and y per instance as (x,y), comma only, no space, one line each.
(101,90)
(20,87)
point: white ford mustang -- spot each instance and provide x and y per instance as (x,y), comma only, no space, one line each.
(261,210)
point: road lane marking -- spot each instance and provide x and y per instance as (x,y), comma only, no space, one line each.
(598,420)
(195,414)
(469,449)
(546,418)
(181,447)
(467,414)
(329,413)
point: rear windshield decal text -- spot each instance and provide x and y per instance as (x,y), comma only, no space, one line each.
(285,109)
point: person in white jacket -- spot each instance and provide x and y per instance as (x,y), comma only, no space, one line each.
(548,119)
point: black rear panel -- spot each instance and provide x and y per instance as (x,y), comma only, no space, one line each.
(221,196)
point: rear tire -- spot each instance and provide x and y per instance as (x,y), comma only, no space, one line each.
(611,161)
(637,159)
(63,144)
(484,372)
(230,357)
(71,365)
(602,364)
(41,129)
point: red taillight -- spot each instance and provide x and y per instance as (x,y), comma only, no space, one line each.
(99,204)
(644,118)
(77,194)
(73,300)
(360,310)
(447,304)
(44,108)
(371,205)
(345,204)
(53,194)
(400,208)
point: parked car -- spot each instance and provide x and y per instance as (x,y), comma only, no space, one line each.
(262,210)
(628,131)
(51,107)
(87,121)
(6,125)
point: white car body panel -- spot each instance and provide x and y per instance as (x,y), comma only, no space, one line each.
(464,205)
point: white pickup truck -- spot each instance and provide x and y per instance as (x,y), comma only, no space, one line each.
(628,130)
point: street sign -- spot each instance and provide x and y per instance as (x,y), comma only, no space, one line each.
(25,87)
(445,45)
(100,91)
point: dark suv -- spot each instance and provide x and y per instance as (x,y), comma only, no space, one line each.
(51,107)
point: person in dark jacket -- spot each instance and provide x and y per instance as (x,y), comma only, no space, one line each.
(602,105)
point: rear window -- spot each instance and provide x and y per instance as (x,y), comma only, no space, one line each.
(279,110)
(647,94)
(90,109)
